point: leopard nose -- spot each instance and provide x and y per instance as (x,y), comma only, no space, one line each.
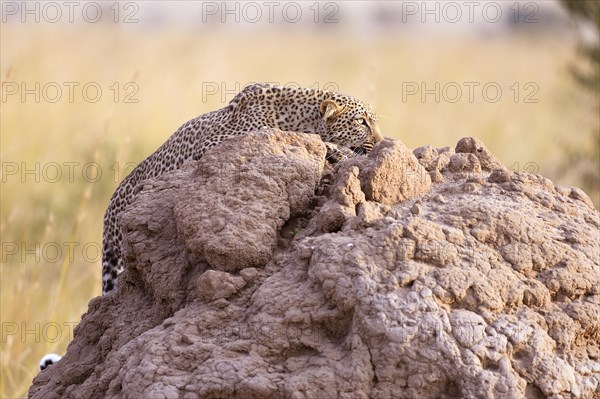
(377,134)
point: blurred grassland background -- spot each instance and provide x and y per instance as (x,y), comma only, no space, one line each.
(51,225)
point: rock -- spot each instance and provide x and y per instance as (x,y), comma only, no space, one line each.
(345,197)
(249,274)
(426,155)
(485,283)
(415,209)
(464,163)
(394,174)
(214,284)
(499,175)
(472,145)
(219,219)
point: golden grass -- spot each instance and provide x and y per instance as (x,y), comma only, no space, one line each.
(171,68)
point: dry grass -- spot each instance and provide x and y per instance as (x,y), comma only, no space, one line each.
(171,69)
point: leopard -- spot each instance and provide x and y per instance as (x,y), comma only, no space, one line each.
(347,126)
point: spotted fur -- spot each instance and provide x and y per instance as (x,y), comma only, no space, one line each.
(49,360)
(340,120)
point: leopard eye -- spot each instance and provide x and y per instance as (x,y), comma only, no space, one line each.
(362,121)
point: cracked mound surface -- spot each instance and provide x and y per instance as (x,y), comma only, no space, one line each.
(260,272)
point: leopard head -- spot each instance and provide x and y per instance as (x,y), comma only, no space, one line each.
(350,122)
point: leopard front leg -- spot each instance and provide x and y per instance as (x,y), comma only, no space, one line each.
(337,153)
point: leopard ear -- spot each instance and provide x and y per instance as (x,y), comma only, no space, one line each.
(329,109)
